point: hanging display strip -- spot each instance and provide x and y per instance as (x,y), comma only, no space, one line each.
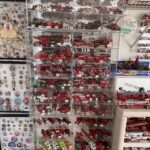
(62,75)
(53,78)
(58,132)
(12,36)
(81,2)
(74,16)
(17,133)
(14,94)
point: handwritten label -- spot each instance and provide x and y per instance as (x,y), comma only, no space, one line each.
(132,86)
(128,25)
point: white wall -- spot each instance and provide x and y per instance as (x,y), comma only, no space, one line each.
(124,49)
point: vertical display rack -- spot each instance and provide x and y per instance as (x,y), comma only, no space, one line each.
(69,51)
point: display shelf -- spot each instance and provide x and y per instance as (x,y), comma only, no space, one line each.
(13,61)
(75,14)
(136,148)
(64,30)
(133,112)
(120,122)
(14,0)
(75,18)
(49,77)
(38,48)
(69,52)
(132,93)
(138,144)
(55,115)
(15,114)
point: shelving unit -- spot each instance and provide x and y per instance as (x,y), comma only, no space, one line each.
(136,148)
(121,117)
(72,107)
(130,80)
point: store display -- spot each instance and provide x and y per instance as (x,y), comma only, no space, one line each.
(132,93)
(14,87)
(72,106)
(61,87)
(54,132)
(17,133)
(132,100)
(75,17)
(68,90)
(13,23)
(137,130)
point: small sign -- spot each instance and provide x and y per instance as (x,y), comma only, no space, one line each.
(128,25)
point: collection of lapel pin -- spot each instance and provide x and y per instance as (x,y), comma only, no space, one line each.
(17,134)
(12,25)
(136,148)
(14,87)
(143,50)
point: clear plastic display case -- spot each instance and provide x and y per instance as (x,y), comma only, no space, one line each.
(72,82)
